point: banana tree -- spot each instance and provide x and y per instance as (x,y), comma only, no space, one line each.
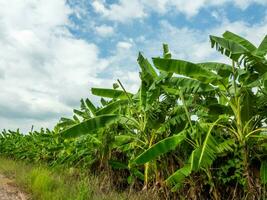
(235,90)
(186,120)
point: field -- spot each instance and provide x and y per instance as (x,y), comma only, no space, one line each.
(192,131)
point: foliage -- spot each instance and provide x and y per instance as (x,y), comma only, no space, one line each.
(186,125)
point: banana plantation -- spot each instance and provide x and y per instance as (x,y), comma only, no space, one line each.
(192,130)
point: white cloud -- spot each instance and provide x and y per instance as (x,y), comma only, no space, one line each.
(104,30)
(192,7)
(46,70)
(122,45)
(125,10)
(122,11)
(243,4)
(130,79)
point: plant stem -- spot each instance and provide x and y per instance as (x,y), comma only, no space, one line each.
(185,108)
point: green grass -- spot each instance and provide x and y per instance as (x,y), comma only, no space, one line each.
(44,183)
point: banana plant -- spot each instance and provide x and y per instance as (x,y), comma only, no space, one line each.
(231,88)
(186,120)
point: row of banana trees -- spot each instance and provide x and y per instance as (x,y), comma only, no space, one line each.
(194,130)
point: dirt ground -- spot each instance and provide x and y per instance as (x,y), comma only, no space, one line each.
(8,190)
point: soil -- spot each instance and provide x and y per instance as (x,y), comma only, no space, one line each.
(9,191)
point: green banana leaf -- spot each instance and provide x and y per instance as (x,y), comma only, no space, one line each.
(160,148)
(90,106)
(111,93)
(88,126)
(240,40)
(262,49)
(112,107)
(185,68)
(177,178)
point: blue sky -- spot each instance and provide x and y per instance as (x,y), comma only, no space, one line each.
(54,51)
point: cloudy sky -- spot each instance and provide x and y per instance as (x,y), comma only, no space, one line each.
(53,51)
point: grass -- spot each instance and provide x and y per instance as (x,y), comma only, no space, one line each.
(46,183)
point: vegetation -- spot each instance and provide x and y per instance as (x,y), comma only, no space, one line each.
(193,130)
(46,183)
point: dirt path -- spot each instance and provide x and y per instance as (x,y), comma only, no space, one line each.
(8,191)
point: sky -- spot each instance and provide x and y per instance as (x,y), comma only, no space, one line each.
(53,51)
